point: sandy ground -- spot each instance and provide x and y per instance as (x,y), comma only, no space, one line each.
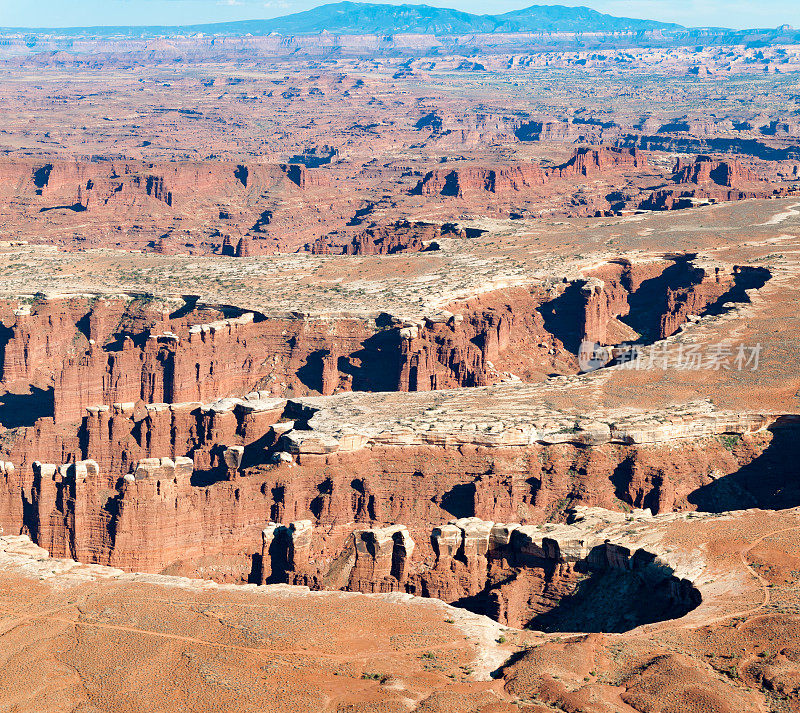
(88,638)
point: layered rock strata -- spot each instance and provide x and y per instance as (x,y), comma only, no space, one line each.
(707,180)
(205,489)
(102,351)
(507,180)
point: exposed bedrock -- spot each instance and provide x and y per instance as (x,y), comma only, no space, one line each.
(118,436)
(708,180)
(639,303)
(195,498)
(136,379)
(701,181)
(234,209)
(713,144)
(507,180)
(644,302)
(97,351)
(520,575)
(387,239)
(101,184)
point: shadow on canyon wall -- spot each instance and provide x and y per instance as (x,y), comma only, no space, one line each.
(651,304)
(615,601)
(563,317)
(769,481)
(588,599)
(25,409)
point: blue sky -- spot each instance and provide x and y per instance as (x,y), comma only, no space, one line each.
(54,13)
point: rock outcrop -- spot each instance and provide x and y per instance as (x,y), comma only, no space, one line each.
(171,207)
(506,180)
(648,301)
(202,483)
(589,162)
(398,237)
(708,180)
(705,170)
(464,182)
(125,350)
(511,572)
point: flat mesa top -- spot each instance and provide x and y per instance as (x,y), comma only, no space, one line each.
(508,254)
(511,253)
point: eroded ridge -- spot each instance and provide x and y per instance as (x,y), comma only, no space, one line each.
(346,462)
(553,576)
(98,350)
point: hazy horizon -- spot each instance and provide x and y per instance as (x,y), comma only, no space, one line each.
(739,14)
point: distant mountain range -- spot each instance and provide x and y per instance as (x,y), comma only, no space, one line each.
(379,19)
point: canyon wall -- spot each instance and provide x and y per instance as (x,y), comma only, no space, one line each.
(511,572)
(648,301)
(506,180)
(397,237)
(120,350)
(188,207)
(195,484)
(709,180)
(207,399)
(99,184)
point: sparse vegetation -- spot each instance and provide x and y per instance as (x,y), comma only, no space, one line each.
(730,441)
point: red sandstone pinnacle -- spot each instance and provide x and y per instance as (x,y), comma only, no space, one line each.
(244,248)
